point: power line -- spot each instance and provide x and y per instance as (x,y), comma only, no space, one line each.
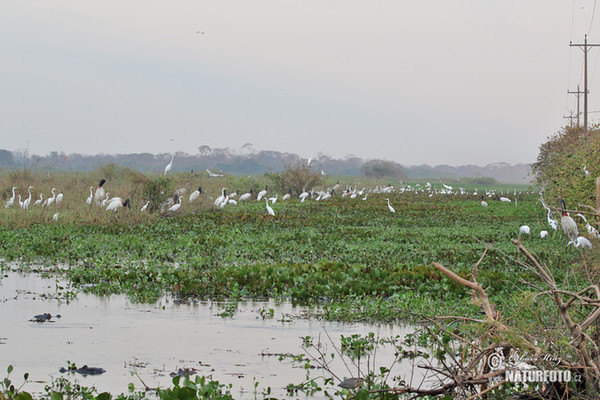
(592,20)
(585,47)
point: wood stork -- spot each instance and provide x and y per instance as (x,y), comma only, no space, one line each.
(269,209)
(287,195)
(221,198)
(568,224)
(246,196)
(483,202)
(195,194)
(169,165)
(99,195)
(11,201)
(89,199)
(389,206)
(116,205)
(262,193)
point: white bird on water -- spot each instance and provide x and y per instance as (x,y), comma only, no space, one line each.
(269,209)
(389,206)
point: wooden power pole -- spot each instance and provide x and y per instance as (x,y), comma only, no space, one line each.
(578,93)
(585,47)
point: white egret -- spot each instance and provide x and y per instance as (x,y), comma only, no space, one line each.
(269,209)
(89,199)
(389,206)
(303,195)
(39,201)
(581,242)
(59,197)
(145,207)
(591,230)
(51,199)
(169,165)
(505,200)
(543,234)
(212,174)
(55,217)
(262,193)
(524,230)
(273,200)
(177,206)
(10,201)
(27,200)
(105,201)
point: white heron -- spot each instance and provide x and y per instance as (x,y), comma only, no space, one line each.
(580,241)
(51,199)
(303,195)
(505,200)
(59,197)
(10,201)
(543,234)
(591,230)
(389,206)
(25,205)
(55,217)
(88,201)
(212,174)
(105,201)
(262,193)
(273,200)
(524,230)
(39,201)
(177,206)
(145,207)
(269,209)
(169,165)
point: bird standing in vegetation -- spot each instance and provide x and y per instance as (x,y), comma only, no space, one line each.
(195,194)
(581,242)
(50,200)
(145,207)
(117,204)
(246,196)
(55,217)
(390,207)
(99,195)
(177,206)
(59,197)
(269,209)
(262,193)
(10,201)
(25,205)
(88,201)
(39,201)
(568,224)
(505,200)
(287,195)
(543,234)
(591,230)
(169,165)
(483,202)
(524,230)
(221,198)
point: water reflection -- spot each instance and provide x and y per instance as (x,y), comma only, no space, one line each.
(155,339)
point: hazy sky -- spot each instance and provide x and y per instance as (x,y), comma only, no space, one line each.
(437,82)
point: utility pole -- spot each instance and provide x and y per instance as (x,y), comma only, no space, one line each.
(585,49)
(571,118)
(578,93)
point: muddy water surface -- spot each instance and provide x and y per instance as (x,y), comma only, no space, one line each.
(156,339)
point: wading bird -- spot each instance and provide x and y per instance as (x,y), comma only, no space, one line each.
(543,234)
(89,199)
(59,197)
(269,209)
(175,207)
(145,207)
(390,207)
(262,193)
(25,205)
(246,196)
(287,195)
(116,205)
(39,201)
(99,195)
(10,201)
(212,174)
(581,242)
(169,165)
(591,230)
(221,198)
(55,217)
(524,230)
(195,194)
(483,202)
(50,200)
(568,224)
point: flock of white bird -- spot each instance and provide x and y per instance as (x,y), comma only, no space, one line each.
(102,199)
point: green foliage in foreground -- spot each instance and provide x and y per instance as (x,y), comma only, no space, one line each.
(355,257)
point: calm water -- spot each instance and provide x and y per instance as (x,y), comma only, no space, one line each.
(157,339)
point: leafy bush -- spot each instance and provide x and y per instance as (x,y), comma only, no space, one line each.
(562,163)
(381,168)
(154,189)
(297,177)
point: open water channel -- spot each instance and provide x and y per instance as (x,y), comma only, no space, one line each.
(154,340)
